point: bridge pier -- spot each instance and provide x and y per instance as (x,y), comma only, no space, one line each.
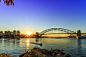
(79,35)
(38,35)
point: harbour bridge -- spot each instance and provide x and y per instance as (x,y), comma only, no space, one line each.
(59,29)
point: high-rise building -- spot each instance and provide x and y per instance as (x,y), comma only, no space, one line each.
(5,32)
(1,34)
(9,33)
(14,32)
(18,32)
(1,31)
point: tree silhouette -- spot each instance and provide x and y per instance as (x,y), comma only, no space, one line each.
(8,2)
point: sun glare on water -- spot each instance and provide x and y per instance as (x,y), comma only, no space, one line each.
(28,33)
(27,40)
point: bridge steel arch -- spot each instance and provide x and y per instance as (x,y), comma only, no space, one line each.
(60,29)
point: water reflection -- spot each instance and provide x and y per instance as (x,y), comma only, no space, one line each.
(17,44)
(14,46)
(75,47)
(79,46)
(27,40)
(37,39)
(28,44)
(79,43)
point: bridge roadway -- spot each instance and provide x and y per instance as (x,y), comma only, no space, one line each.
(61,33)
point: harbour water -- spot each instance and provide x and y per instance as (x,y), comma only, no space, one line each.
(72,46)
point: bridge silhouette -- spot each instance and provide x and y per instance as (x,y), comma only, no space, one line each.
(59,29)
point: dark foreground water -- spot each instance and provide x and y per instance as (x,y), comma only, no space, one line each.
(15,47)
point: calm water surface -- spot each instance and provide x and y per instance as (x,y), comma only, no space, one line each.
(15,47)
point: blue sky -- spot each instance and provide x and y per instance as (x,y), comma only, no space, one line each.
(38,15)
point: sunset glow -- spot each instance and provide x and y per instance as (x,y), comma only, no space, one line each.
(28,33)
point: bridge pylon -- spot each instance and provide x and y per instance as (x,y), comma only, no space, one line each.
(79,33)
(38,35)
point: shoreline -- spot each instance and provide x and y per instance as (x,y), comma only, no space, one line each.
(38,52)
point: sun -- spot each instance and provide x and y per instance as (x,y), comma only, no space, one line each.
(28,33)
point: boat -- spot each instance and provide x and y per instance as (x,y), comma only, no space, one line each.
(36,43)
(71,36)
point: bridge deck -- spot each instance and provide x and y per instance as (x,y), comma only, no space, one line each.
(62,33)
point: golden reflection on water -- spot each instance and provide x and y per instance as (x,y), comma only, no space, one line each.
(28,40)
(28,43)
